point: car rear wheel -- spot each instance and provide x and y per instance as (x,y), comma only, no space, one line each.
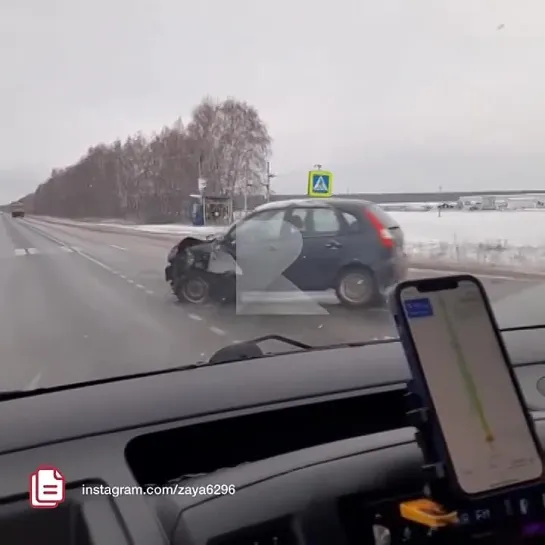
(192,288)
(356,287)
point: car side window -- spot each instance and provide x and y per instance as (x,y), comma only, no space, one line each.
(299,218)
(325,221)
(352,222)
(263,225)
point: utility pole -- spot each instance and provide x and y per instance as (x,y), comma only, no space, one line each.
(246,198)
(269,176)
(200,180)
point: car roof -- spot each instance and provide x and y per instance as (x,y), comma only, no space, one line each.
(314,203)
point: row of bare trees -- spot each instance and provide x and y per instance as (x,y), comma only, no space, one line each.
(151,179)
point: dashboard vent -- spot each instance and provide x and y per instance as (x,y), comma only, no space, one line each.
(278,532)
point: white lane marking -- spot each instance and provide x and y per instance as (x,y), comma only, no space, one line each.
(95,261)
(88,257)
(104,266)
(236,342)
(118,247)
(35,251)
(195,317)
(54,239)
(34,382)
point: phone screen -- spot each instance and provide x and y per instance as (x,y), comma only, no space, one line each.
(482,419)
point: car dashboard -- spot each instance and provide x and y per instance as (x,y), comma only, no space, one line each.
(309,447)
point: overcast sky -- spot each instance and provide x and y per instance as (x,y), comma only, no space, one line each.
(391,95)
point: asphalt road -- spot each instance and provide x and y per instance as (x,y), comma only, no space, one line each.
(80,304)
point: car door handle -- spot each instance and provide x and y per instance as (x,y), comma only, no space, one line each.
(334,245)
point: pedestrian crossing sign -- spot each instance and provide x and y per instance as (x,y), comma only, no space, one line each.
(320,183)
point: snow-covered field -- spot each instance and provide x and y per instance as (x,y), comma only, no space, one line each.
(414,206)
(508,239)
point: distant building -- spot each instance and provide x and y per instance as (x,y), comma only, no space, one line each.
(521,203)
(477,202)
(502,202)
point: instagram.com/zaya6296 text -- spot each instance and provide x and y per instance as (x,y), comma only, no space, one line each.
(176,489)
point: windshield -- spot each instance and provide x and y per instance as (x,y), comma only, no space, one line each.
(128,127)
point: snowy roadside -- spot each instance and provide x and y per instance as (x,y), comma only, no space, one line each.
(498,242)
(175,228)
(489,240)
(491,256)
(169,231)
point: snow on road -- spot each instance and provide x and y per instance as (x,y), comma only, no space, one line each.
(177,229)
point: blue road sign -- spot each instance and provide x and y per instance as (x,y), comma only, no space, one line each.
(320,183)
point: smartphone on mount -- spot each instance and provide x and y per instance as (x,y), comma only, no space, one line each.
(483,430)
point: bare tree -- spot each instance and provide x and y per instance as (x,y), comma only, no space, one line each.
(234,143)
(151,179)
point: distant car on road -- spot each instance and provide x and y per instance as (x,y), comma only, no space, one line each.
(17,210)
(351,246)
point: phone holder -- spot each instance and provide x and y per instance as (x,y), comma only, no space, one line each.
(437,485)
(443,513)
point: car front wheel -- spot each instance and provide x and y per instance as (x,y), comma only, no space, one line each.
(192,288)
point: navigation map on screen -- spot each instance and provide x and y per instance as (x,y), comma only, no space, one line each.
(484,425)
